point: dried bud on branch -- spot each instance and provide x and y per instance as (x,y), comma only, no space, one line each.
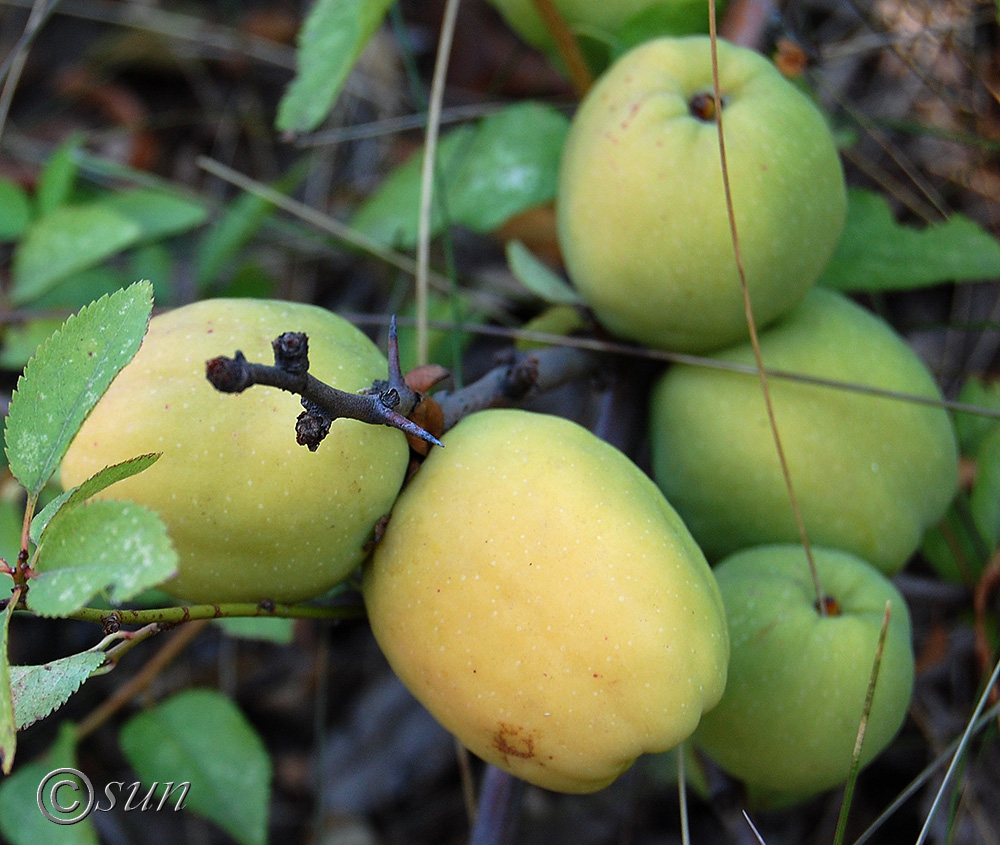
(395,400)
(322,402)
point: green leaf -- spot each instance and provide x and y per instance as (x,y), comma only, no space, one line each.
(504,165)
(83,288)
(15,211)
(953,547)
(273,630)
(157,213)
(200,736)
(442,344)
(63,382)
(984,498)
(66,241)
(390,215)
(22,340)
(39,690)
(677,17)
(560,320)
(120,546)
(332,38)
(244,216)
(250,281)
(58,177)
(155,261)
(877,253)
(224,240)
(93,485)
(972,428)
(512,165)
(538,277)
(8,727)
(21,823)
(11,523)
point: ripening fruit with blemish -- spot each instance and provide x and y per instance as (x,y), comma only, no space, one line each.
(536,592)
(871,473)
(641,206)
(788,721)
(253,515)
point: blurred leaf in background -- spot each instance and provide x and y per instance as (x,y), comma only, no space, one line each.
(877,253)
(488,172)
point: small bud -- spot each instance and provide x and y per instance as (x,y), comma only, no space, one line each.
(311,427)
(390,397)
(228,375)
(520,378)
(291,352)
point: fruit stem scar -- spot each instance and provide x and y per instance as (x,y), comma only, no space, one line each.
(703,106)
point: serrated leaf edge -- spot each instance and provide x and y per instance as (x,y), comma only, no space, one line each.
(46,345)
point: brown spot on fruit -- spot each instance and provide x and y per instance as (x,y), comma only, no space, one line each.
(513,741)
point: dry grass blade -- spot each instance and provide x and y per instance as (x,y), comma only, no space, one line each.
(987,586)
(921,779)
(959,753)
(751,322)
(14,63)
(427,179)
(753,828)
(682,796)
(626,350)
(845,807)
(566,43)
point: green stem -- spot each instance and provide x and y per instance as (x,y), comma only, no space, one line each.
(109,619)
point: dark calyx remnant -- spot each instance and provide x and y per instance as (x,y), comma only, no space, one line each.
(703,106)
(831,607)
